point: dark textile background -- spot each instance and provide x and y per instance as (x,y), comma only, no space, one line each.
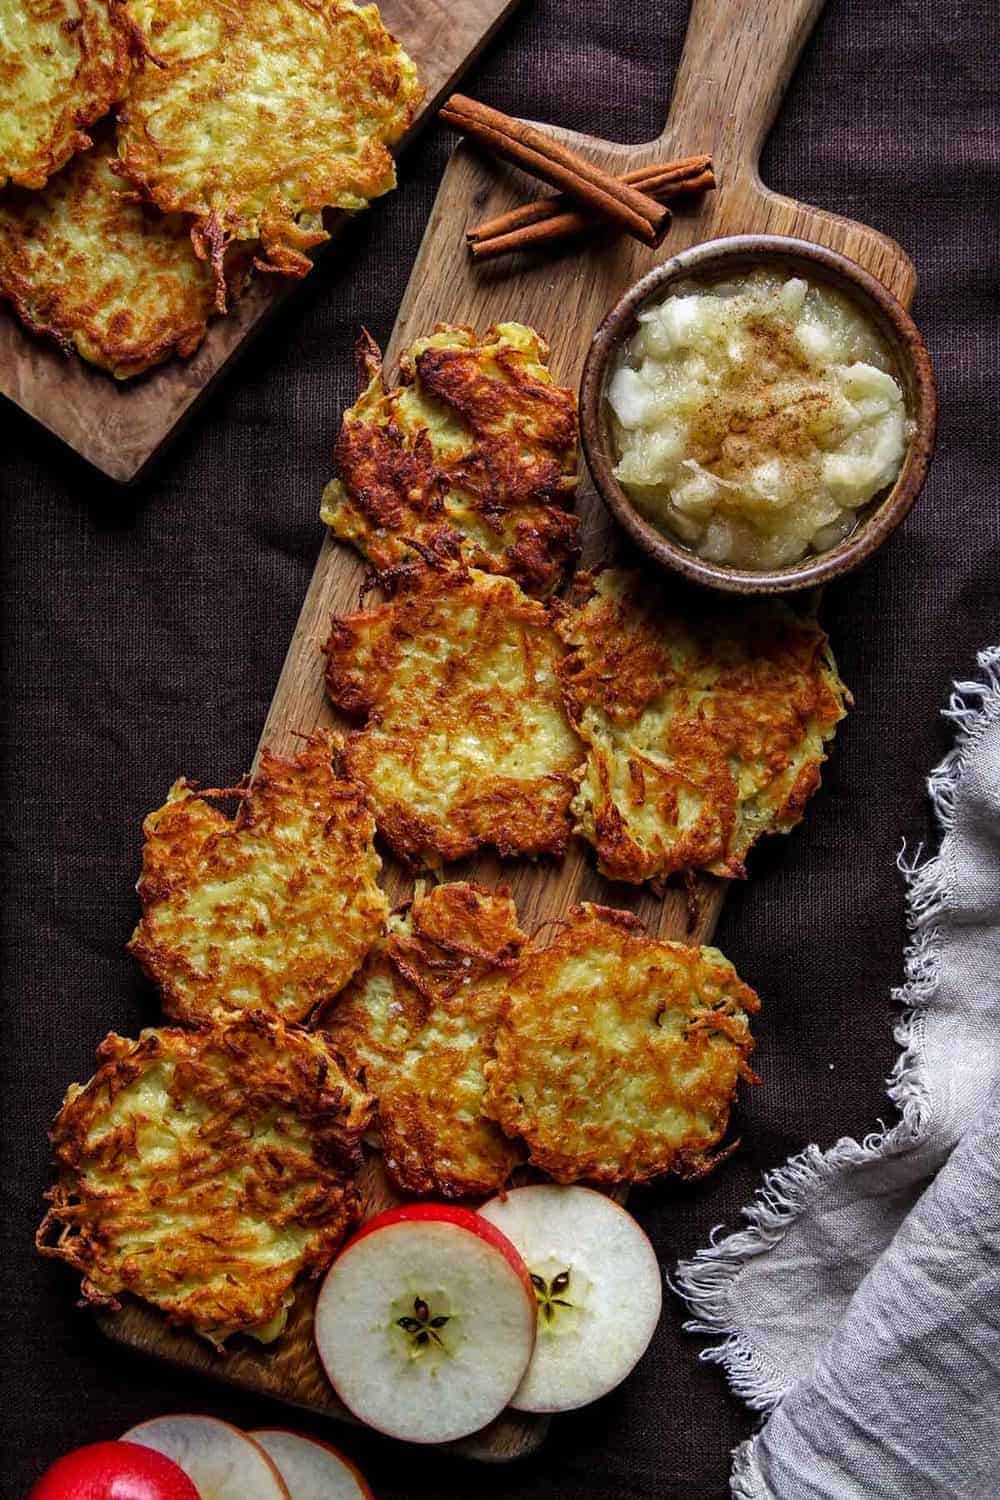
(144,631)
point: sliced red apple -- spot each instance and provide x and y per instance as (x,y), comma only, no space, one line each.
(426,1322)
(221,1462)
(598,1287)
(311,1469)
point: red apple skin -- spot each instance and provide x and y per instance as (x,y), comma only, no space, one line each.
(438,1213)
(363,1484)
(114,1471)
(447,1213)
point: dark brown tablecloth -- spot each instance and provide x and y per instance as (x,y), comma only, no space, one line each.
(144,631)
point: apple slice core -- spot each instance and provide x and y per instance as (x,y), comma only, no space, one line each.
(598,1287)
(425,1324)
(221,1462)
(311,1469)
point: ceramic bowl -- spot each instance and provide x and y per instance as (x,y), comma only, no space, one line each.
(717,260)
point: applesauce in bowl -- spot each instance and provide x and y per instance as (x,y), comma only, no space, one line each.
(755,416)
(758,413)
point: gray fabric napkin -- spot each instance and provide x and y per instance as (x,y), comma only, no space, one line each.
(860,1305)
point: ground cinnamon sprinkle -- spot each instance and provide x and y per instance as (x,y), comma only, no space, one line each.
(754,419)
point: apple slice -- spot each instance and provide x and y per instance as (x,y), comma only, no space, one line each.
(598,1286)
(311,1469)
(426,1322)
(221,1462)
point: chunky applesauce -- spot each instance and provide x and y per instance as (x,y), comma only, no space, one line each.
(753,418)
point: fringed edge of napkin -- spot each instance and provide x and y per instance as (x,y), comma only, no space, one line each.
(706,1281)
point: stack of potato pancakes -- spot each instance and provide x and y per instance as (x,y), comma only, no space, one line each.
(211,1164)
(155,153)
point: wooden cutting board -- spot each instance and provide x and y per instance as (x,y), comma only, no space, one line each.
(736,63)
(121,427)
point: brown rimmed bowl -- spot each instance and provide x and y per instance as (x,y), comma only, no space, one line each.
(717,260)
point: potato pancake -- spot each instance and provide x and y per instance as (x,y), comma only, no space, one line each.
(466,741)
(471,456)
(704,728)
(271,911)
(63,63)
(117,281)
(417,1024)
(618,1054)
(205,1171)
(255,116)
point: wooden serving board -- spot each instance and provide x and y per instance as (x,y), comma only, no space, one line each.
(121,427)
(737,60)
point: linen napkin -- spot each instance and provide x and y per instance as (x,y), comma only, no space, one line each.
(860,1304)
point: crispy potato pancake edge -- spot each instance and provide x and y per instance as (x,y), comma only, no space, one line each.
(223,127)
(115,280)
(206,1172)
(465,742)
(66,62)
(271,911)
(418,1025)
(471,457)
(704,731)
(618,1054)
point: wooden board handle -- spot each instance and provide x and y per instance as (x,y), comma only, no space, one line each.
(737,60)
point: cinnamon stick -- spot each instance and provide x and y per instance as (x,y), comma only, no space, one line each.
(533,236)
(520,144)
(551,230)
(664,180)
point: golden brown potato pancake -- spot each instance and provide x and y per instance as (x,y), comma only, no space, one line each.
(205,1171)
(472,456)
(466,742)
(254,117)
(418,1024)
(63,63)
(117,281)
(705,726)
(271,911)
(617,1054)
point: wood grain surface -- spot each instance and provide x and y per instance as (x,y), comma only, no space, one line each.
(736,63)
(120,427)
